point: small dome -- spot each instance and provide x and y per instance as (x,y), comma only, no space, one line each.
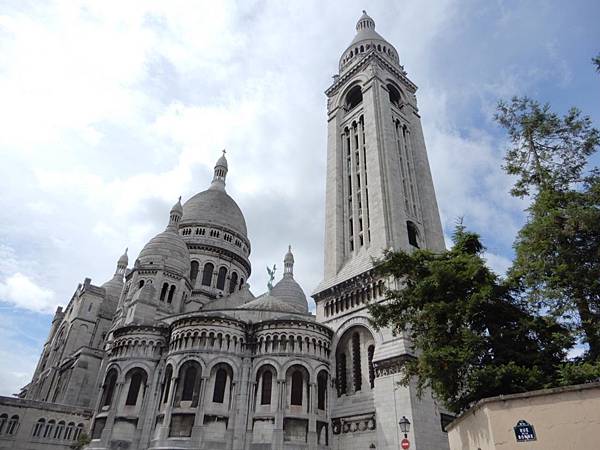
(214,206)
(222,161)
(114,286)
(123,260)
(291,293)
(169,249)
(269,302)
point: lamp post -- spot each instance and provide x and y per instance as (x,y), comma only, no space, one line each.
(404,426)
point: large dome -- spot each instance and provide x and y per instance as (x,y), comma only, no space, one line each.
(214,206)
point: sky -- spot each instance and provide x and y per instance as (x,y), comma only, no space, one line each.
(110,110)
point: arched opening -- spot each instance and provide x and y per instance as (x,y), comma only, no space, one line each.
(69,431)
(109,388)
(194,269)
(59,429)
(171,294)
(207,274)
(354,98)
(3,421)
(13,425)
(394,94)
(297,381)
(137,377)
(220,385)
(233,282)
(49,428)
(413,234)
(322,390)
(221,278)
(354,361)
(163,291)
(189,384)
(167,384)
(78,431)
(39,427)
(266,387)
(141,284)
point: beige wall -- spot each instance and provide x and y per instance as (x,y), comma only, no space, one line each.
(563,418)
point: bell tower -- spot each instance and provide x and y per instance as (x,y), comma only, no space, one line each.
(379,196)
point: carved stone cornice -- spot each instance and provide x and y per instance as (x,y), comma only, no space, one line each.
(390,366)
(354,424)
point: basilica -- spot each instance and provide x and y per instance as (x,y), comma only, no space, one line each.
(176,352)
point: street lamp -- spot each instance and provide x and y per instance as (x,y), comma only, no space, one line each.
(404,425)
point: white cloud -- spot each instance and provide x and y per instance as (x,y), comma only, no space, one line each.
(19,290)
(498,263)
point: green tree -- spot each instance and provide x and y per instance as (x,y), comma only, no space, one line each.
(474,337)
(547,151)
(81,442)
(558,249)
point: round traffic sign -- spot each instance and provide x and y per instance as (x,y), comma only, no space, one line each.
(405,444)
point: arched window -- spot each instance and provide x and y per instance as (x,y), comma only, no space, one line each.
(321,390)
(356,370)
(78,431)
(297,382)
(266,387)
(171,294)
(69,431)
(141,284)
(39,427)
(207,274)
(220,384)
(362,49)
(221,278)
(13,425)
(413,234)
(354,97)
(167,383)
(189,381)
(3,420)
(59,430)
(163,291)
(342,382)
(135,384)
(395,97)
(241,282)
(49,428)
(195,267)
(109,387)
(233,282)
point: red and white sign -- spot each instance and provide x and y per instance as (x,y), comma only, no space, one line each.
(405,444)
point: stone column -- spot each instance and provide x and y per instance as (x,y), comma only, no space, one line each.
(312,417)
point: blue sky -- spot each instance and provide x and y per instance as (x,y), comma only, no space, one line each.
(111,110)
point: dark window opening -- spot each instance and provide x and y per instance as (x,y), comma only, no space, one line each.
(341,374)
(297,381)
(267,385)
(233,282)
(194,269)
(371,352)
(134,388)
(356,371)
(167,384)
(354,98)
(171,294)
(413,234)
(321,390)
(395,97)
(221,278)
(220,382)
(163,291)
(189,381)
(109,387)
(207,274)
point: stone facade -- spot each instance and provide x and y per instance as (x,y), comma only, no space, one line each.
(177,352)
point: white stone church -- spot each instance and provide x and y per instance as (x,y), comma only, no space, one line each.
(176,352)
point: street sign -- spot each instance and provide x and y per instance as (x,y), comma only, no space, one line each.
(405,444)
(524,431)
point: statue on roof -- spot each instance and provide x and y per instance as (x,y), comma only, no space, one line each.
(271,273)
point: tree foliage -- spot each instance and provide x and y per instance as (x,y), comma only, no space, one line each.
(547,151)
(558,249)
(474,337)
(596,61)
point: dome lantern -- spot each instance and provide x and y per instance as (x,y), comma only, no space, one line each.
(288,263)
(220,174)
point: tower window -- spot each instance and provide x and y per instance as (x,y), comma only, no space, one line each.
(413,234)
(163,291)
(356,370)
(220,382)
(171,294)
(233,282)
(354,98)
(321,389)
(135,384)
(341,374)
(267,384)
(195,267)
(395,96)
